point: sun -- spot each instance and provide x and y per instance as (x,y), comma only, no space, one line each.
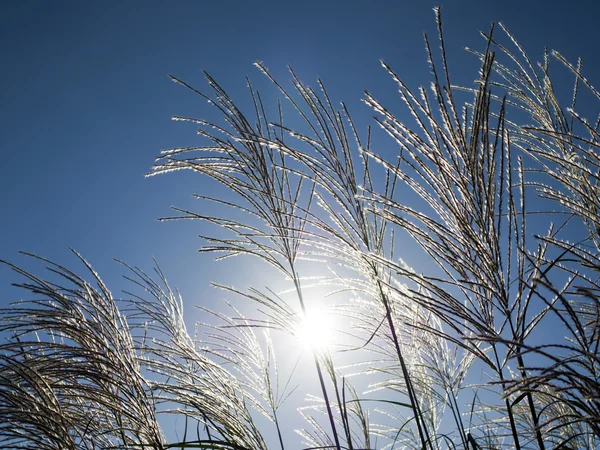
(315,330)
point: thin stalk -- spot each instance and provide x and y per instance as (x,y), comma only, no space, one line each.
(327,403)
(423,433)
(530,402)
(318,366)
(511,418)
(411,394)
(454,408)
(278,431)
(534,416)
(342,402)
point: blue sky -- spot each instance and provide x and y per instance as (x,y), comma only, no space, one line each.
(86,102)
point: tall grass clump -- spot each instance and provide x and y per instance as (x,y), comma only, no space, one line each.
(450,254)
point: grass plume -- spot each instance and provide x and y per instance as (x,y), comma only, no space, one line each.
(496,185)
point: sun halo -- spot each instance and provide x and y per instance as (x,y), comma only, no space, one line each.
(315,329)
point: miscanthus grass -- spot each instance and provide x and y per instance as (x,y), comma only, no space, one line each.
(496,183)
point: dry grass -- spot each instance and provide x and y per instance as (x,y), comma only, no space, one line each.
(504,206)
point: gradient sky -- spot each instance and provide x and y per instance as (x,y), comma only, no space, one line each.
(86,102)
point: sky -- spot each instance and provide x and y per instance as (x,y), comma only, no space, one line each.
(86,102)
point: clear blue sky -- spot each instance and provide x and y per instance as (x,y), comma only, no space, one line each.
(85,103)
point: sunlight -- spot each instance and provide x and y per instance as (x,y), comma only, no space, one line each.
(315,329)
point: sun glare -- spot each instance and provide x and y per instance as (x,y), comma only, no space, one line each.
(315,329)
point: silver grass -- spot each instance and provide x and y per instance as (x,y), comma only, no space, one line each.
(504,187)
(70,374)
